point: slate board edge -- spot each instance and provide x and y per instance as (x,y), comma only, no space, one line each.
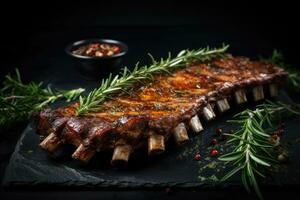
(8,182)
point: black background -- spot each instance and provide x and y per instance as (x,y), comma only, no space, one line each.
(258,26)
(34,35)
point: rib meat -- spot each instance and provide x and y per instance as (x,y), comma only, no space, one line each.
(157,110)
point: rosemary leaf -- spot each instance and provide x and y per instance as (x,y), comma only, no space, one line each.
(254,153)
(278,59)
(126,79)
(19,100)
(232,172)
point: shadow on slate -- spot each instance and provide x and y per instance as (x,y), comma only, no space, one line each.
(32,167)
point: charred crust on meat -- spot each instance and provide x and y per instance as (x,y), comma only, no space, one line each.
(156,111)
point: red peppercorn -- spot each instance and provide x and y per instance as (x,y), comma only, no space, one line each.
(219,131)
(214,152)
(98,50)
(214,141)
(197,157)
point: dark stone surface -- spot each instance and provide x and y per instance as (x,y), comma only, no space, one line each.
(30,166)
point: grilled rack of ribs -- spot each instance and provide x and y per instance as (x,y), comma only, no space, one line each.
(158,110)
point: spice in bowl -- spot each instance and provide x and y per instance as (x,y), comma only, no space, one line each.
(97,50)
(97,58)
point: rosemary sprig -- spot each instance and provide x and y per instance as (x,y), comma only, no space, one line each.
(18,100)
(254,153)
(278,59)
(126,79)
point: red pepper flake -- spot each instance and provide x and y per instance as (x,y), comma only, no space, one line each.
(214,142)
(214,152)
(219,131)
(98,50)
(197,157)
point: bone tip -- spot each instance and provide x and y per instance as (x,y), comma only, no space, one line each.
(240,96)
(223,105)
(258,93)
(180,134)
(156,144)
(195,124)
(83,154)
(51,143)
(208,113)
(121,155)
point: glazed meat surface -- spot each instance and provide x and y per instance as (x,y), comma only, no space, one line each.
(154,108)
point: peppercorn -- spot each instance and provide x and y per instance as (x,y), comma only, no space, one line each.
(214,152)
(197,157)
(214,141)
(219,131)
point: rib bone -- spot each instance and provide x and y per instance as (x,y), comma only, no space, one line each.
(273,90)
(51,143)
(195,124)
(180,134)
(121,154)
(223,105)
(156,144)
(83,154)
(168,105)
(258,93)
(208,113)
(240,96)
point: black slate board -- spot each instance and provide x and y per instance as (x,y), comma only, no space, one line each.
(30,166)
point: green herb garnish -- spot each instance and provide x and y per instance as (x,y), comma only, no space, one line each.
(254,153)
(278,59)
(126,79)
(18,100)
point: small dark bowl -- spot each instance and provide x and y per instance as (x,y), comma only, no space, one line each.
(93,67)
